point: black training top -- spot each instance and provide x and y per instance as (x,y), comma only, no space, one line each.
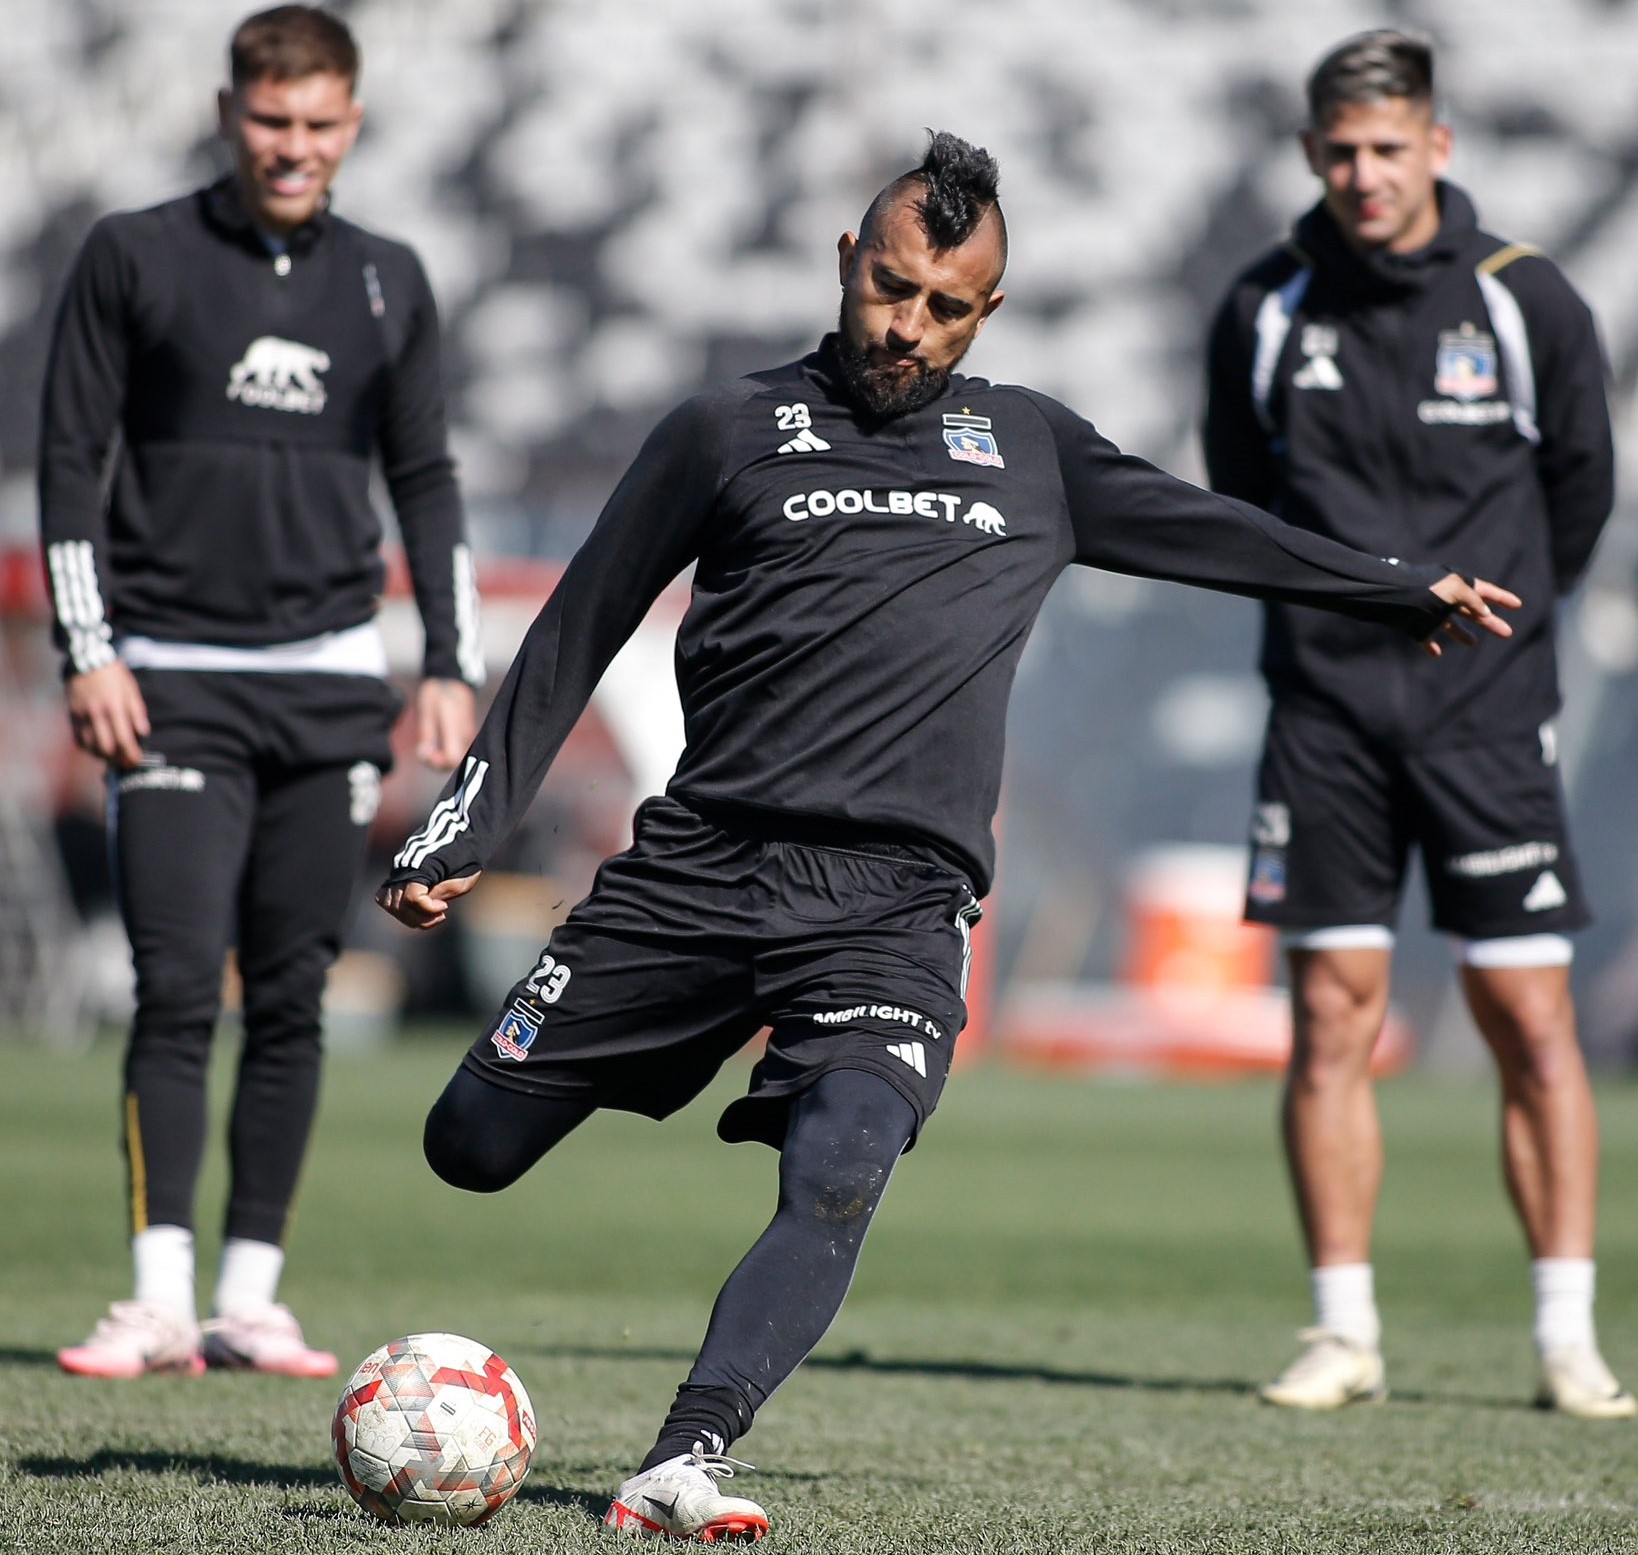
(249,392)
(1446,402)
(862,594)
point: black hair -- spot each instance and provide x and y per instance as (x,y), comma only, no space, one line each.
(960,185)
(1369,67)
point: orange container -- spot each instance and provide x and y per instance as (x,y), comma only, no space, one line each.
(1183,927)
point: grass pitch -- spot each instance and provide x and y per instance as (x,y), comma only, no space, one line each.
(1064,1307)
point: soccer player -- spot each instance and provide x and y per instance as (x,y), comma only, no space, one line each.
(872,536)
(249,354)
(1397,379)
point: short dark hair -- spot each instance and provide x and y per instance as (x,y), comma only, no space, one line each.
(289,42)
(1369,67)
(960,183)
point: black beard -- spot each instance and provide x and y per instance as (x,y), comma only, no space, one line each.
(887,391)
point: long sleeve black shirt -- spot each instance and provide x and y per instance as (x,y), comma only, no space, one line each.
(861,596)
(1444,403)
(246,394)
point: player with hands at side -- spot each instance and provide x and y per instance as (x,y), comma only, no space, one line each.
(1395,377)
(251,355)
(872,536)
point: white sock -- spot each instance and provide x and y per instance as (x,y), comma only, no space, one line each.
(1345,1302)
(1564,1301)
(163,1256)
(249,1275)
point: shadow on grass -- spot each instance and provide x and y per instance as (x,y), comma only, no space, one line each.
(981,1371)
(207,1468)
(992,1371)
(13,1357)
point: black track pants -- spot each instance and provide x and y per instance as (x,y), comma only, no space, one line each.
(221,846)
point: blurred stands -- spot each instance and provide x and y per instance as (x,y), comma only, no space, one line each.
(618,204)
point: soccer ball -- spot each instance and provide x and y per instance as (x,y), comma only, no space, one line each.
(433,1428)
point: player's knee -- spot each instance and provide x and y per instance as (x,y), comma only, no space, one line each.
(462,1150)
(1534,1041)
(452,1156)
(1336,1023)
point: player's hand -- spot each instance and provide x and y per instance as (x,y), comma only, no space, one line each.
(446,718)
(1473,603)
(107,714)
(420,906)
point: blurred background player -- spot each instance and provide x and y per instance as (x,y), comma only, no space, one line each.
(873,537)
(1400,380)
(251,353)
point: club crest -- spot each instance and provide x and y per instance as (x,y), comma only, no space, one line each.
(1465,368)
(516,1033)
(970,441)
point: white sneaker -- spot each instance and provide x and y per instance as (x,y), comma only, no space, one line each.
(1330,1372)
(264,1339)
(136,1337)
(679,1499)
(1575,1381)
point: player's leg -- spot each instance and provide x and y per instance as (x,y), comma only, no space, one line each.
(1328,859)
(306,852)
(1549,1124)
(1333,1140)
(1550,1160)
(1503,878)
(861,962)
(844,1136)
(482,1137)
(179,830)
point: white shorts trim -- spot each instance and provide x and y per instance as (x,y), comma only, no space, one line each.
(359,650)
(1343,936)
(1516,950)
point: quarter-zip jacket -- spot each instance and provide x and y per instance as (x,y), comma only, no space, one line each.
(862,592)
(245,394)
(1445,403)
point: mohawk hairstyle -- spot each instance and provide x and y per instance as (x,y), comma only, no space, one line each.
(960,183)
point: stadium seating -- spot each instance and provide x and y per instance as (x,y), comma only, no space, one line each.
(618,204)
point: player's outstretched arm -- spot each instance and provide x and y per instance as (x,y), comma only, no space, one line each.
(419,906)
(1473,602)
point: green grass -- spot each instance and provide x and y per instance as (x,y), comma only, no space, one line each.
(1051,1346)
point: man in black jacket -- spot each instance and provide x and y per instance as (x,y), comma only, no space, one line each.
(250,354)
(1400,380)
(872,537)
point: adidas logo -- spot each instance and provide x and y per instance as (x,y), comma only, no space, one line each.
(807,441)
(1546,894)
(911,1053)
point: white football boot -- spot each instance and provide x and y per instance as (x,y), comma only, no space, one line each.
(1575,1381)
(679,1500)
(136,1337)
(1330,1372)
(264,1339)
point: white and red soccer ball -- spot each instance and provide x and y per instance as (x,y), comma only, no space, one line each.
(433,1428)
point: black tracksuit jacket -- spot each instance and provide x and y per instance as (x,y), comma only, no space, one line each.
(862,592)
(1448,403)
(247,396)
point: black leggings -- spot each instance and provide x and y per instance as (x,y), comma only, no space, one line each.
(844,1135)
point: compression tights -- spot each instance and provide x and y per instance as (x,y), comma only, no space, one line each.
(844,1135)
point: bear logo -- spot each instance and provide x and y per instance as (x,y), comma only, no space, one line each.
(276,374)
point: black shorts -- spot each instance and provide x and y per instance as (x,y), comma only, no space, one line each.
(1338,813)
(697,937)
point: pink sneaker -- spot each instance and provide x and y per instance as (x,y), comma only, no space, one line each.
(136,1337)
(264,1339)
